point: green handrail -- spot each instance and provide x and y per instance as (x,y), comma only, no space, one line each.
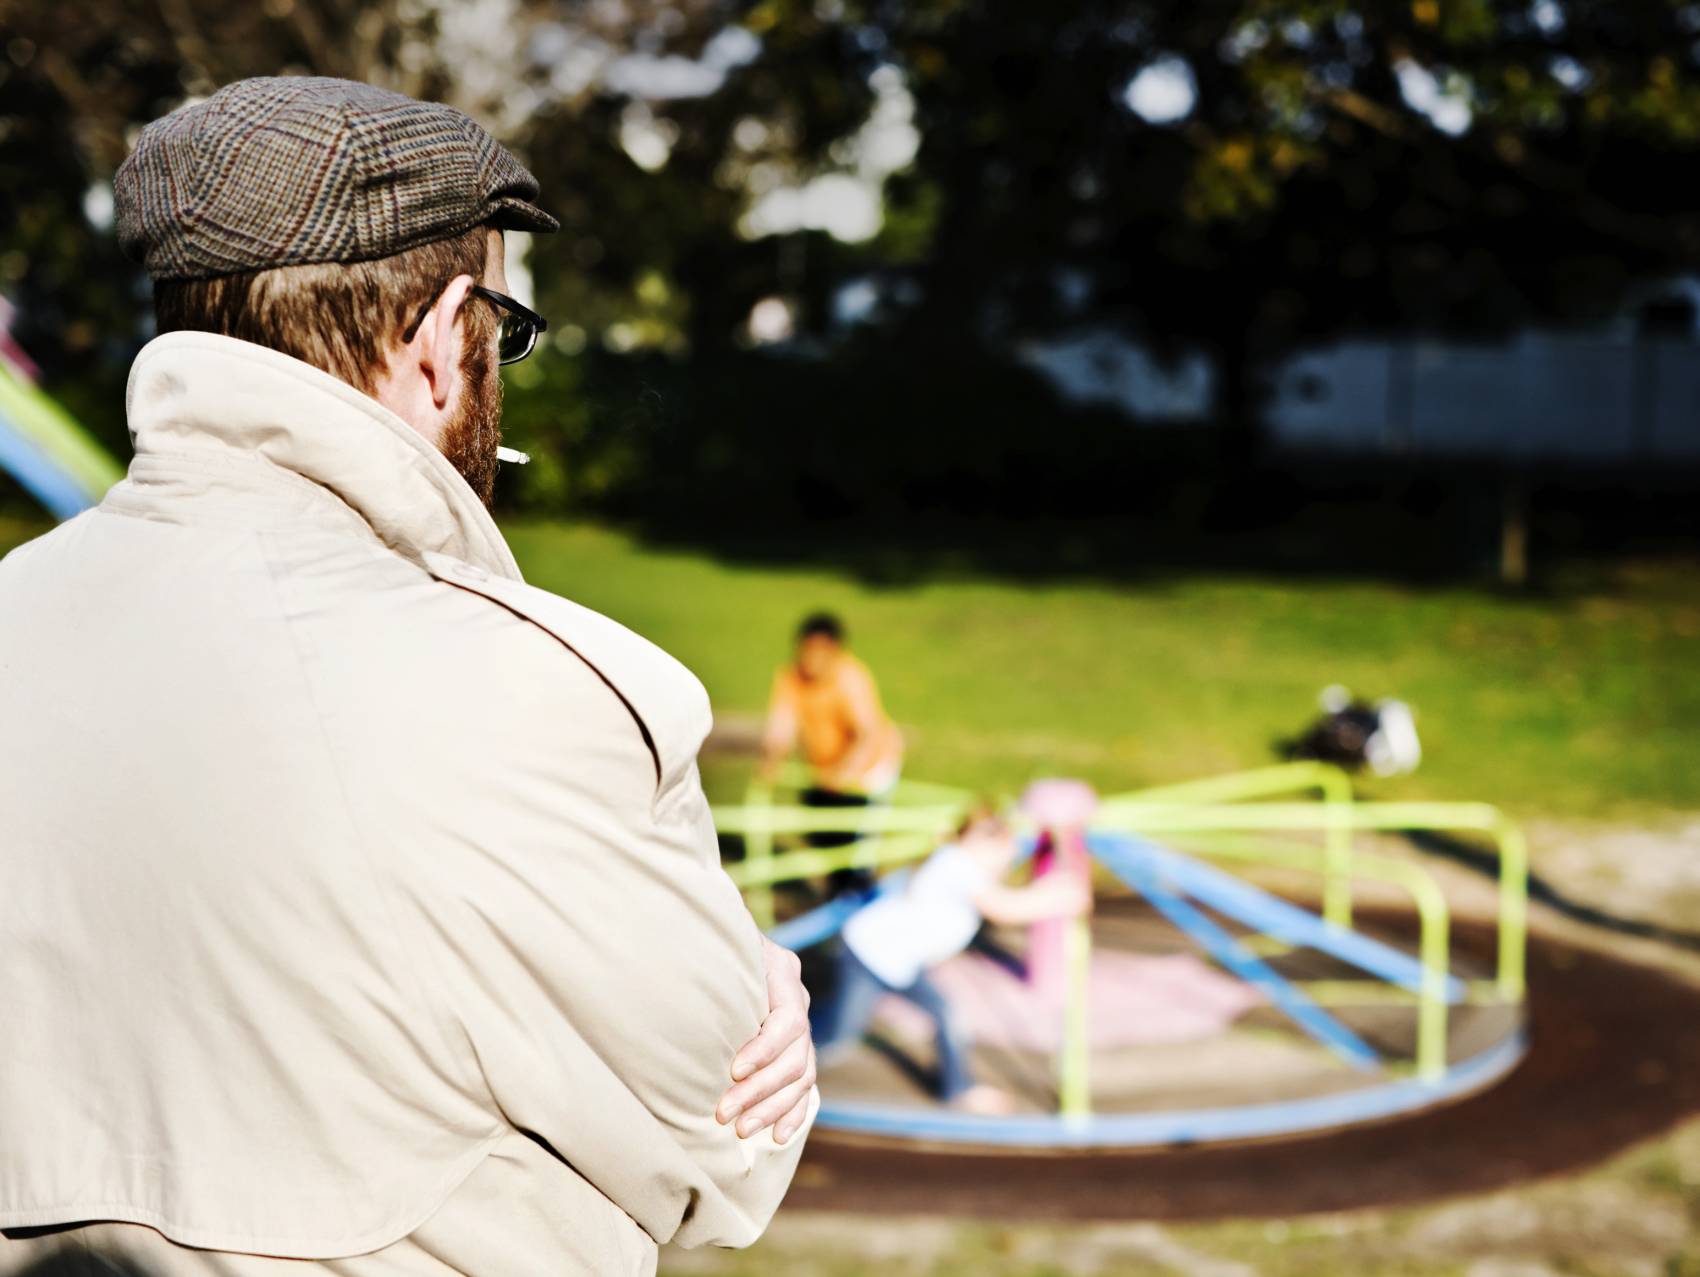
(1219,820)
(1160,817)
(817,862)
(1432,913)
(1074,1095)
(842,820)
(1333,784)
(1259,782)
(759,832)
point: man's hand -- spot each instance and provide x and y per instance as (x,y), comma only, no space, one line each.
(775,1070)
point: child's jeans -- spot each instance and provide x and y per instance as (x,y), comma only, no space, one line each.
(845,1018)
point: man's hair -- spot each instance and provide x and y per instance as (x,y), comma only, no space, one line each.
(823,623)
(338,316)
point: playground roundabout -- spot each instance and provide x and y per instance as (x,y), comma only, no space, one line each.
(1204,1047)
(1613,1059)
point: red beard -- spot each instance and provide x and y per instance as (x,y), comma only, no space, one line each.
(472,434)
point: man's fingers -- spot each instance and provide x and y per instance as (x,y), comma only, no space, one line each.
(778,1105)
(774,1071)
(787,1017)
(788,1125)
(783,1026)
(784,973)
(792,1122)
(794,1061)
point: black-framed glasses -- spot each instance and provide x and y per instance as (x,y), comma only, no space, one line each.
(520,324)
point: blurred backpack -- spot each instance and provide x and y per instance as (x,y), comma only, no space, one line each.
(1355,734)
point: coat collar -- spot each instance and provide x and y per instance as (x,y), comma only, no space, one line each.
(197,393)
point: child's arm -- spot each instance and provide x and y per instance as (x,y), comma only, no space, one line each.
(1053,896)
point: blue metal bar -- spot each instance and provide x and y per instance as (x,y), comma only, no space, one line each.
(818,924)
(1267,913)
(1316,1022)
(1196,1126)
(825,921)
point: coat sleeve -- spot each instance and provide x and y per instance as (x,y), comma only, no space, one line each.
(605,968)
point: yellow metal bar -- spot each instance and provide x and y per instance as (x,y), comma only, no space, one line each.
(1261,782)
(925,791)
(816,862)
(1513,909)
(1356,993)
(909,832)
(1336,789)
(795,775)
(1434,948)
(1352,993)
(935,818)
(1073,1081)
(1332,784)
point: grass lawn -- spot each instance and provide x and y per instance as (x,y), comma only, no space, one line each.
(1586,704)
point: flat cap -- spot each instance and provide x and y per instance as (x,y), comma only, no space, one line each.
(282,171)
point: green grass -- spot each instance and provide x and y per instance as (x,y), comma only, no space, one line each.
(1585,704)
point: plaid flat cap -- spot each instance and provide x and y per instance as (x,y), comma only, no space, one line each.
(282,171)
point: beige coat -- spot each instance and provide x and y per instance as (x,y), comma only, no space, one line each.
(358,902)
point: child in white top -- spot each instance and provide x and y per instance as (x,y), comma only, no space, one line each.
(890,944)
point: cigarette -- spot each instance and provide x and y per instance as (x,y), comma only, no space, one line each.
(513,456)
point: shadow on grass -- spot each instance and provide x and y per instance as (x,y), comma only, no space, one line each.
(1486,863)
(1421,529)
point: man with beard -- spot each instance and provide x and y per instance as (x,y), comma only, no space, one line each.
(362,906)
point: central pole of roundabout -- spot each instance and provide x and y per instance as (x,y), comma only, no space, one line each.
(1060,950)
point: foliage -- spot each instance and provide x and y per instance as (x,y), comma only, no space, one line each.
(1466,166)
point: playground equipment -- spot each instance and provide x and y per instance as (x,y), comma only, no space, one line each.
(41,446)
(1380,1031)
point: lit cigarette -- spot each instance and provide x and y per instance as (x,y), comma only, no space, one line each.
(513,456)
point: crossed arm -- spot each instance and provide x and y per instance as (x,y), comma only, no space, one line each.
(775,1070)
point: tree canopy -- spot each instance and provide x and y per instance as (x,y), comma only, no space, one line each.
(908,186)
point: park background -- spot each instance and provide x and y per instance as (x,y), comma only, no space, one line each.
(1124,373)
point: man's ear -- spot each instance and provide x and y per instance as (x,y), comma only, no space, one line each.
(441,337)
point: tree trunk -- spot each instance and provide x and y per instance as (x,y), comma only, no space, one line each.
(1514,532)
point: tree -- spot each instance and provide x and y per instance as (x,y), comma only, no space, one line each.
(1464,167)
(1236,176)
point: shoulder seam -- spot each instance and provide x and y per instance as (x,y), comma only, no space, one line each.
(637,718)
